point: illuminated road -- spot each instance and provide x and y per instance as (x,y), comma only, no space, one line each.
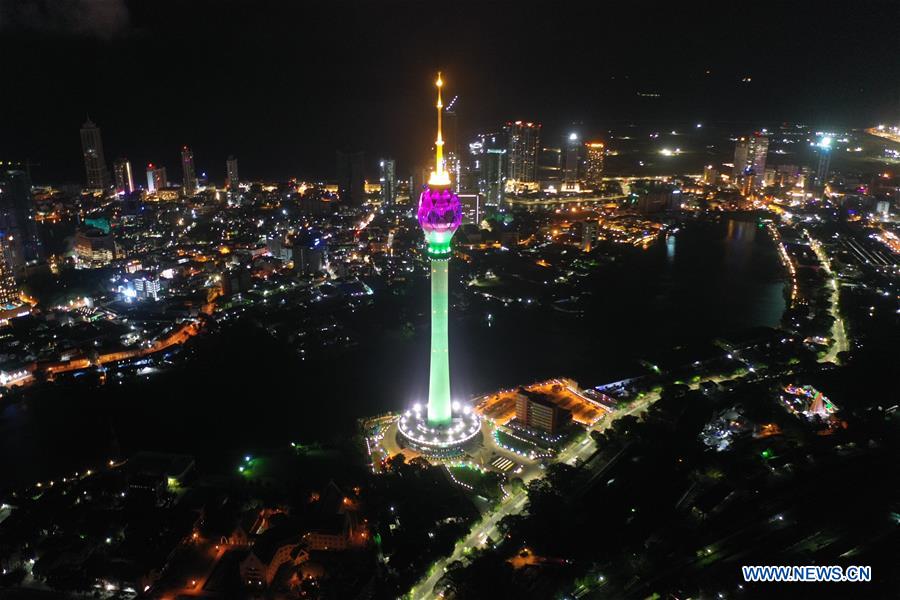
(515,502)
(892,134)
(838,332)
(195,587)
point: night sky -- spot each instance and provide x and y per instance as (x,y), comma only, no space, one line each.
(282,85)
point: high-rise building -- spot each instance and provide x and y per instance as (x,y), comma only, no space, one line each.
(488,156)
(388,181)
(451,126)
(17,220)
(494,187)
(156,178)
(750,158)
(453,162)
(571,169)
(446,425)
(595,155)
(189,175)
(124,178)
(710,174)
(94,161)
(588,235)
(823,164)
(232,180)
(523,141)
(351,177)
(550,167)
(9,291)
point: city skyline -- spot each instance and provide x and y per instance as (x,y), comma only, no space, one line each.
(801,77)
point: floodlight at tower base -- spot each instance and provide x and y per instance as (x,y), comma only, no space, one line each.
(462,431)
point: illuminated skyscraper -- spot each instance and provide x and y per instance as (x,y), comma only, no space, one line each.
(9,291)
(453,160)
(750,157)
(94,161)
(233,181)
(573,159)
(17,221)
(388,181)
(124,178)
(823,149)
(189,175)
(446,424)
(488,156)
(523,142)
(156,178)
(595,153)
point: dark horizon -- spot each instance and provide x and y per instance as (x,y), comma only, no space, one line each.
(157,76)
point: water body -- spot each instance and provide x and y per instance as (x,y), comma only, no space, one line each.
(246,392)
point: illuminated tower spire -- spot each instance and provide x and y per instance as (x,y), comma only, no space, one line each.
(439,176)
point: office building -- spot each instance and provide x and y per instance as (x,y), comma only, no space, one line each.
(710,174)
(351,177)
(189,175)
(156,178)
(750,158)
(123,175)
(571,167)
(94,248)
(17,220)
(388,179)
(550,167)
(595,155)
(232,180)
(9,291)
(523,141)
(536,411)
(147,286)
(823,163)
(94,161)
(488,164)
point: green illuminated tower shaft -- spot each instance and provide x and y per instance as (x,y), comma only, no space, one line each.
(439,404)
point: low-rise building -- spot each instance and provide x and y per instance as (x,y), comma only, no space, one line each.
(539,412)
